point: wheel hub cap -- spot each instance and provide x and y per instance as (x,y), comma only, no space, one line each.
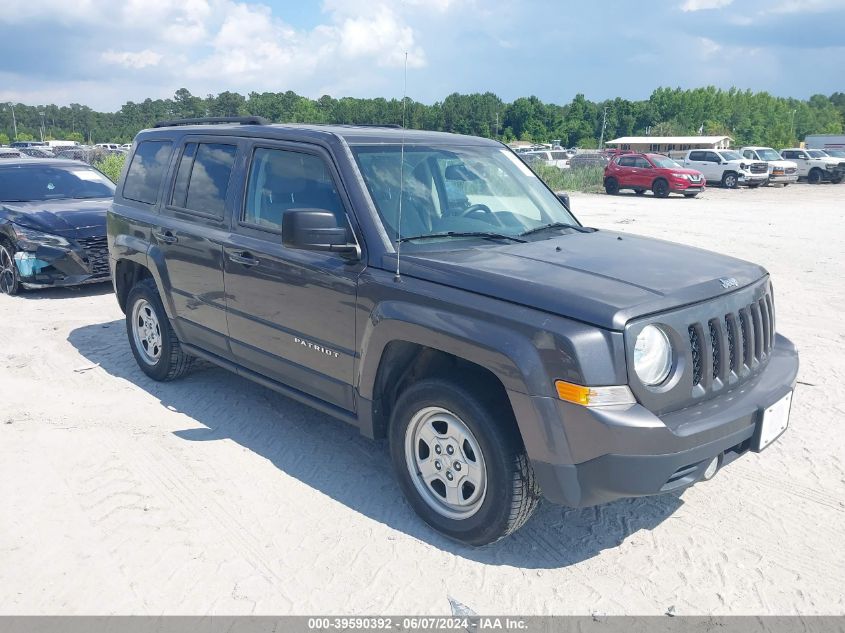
(445,463)
(146,331)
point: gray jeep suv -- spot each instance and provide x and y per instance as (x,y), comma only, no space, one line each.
(429,289)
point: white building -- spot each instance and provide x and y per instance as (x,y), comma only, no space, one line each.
(670,143)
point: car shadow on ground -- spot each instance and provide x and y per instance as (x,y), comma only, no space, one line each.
(354,470)
(64,292)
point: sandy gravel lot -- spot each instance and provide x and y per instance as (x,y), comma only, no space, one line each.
(216,496)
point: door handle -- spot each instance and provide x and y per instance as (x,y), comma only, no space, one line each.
(243,258)
(166,236)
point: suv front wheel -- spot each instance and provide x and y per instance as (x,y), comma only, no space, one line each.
(461,463)
(154,343)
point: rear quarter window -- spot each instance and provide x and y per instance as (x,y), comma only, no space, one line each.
(143,178)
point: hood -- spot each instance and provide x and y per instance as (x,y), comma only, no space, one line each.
(785,164)
(68,217)
(603,278)
(829,160)
(683,170)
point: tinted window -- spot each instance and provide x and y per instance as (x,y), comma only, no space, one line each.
(202,180)
(697,156)
(53,182)
(626,161)
(281,180)
(642,163)
(145,172)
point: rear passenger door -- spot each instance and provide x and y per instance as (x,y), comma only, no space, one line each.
(194,225)
(291,312)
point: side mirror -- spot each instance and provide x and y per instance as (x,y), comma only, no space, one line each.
(564,199)
(317,230)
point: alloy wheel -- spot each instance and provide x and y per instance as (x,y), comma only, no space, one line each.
(8,275)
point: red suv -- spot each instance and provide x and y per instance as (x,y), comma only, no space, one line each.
(659,173)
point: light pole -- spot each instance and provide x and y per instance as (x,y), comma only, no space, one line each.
(792,127)
(14,121)
(42,126)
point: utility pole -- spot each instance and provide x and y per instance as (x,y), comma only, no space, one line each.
(42,125)
(603,126)
(792,127)
(14,121)
(496,133)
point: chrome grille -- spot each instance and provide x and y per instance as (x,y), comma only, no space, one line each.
(759,168)
(732,344)
(96,254)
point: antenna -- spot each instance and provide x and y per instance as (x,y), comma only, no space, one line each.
(398,277)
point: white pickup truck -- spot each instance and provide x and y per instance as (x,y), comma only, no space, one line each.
(727,167)
(815,165)
(781,171)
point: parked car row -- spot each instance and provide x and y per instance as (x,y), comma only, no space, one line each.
(688,173)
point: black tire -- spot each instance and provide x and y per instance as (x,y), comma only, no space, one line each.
(754,186)
(815,176)
(660,188)
(730,180)
(9,280)
(836,180)
(511,492)
(611,186)
(690,195)
(639,192)
(171,362)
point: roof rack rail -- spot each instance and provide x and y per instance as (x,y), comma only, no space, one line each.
(242,120)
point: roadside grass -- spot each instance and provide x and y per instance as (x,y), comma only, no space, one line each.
(589,179)
(111,166)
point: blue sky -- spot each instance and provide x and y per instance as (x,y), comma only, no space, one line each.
(103,53)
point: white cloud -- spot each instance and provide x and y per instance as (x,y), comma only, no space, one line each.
(130,59)
(803,6)
(701,5)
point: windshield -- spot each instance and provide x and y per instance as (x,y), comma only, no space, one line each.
(836,153)
(52,182)
(731,155)
(768,154)
(456,189)
(664,161)
(816,153)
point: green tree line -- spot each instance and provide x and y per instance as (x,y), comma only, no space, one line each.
(749,117)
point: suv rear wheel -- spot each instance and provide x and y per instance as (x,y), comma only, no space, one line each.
(461,463)
(154,343)
(611,186)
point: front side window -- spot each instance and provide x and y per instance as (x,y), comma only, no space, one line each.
(143,178)
(202,180)
(455,189)
(642,163)
(816,153)
(52,182)
(625,161)
(284,180)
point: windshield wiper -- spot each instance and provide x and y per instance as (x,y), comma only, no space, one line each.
(558,225)
(487,234)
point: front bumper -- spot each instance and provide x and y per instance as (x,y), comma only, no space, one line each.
(626,451)
(686,186)
(783,178)
(80,263)
(748,178)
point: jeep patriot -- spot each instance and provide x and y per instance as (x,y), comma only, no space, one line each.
(429,289)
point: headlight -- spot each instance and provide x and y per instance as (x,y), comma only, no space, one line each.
(29,236)
(652,355)
(681,176)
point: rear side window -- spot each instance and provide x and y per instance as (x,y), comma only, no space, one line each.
(145,173)
(202,180)
(696,156)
